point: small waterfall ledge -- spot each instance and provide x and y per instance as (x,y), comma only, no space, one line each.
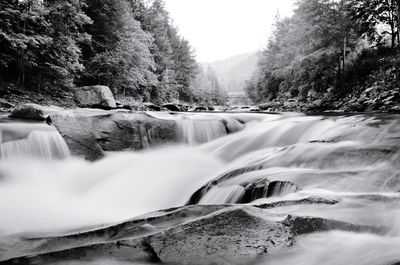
(19,141)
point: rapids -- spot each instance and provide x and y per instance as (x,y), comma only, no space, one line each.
(261,158)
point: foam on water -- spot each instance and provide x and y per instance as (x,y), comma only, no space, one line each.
(354,160)
(43,196)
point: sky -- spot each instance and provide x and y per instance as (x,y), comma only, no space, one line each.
(219,29)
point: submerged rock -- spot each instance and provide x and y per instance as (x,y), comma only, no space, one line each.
(95,97)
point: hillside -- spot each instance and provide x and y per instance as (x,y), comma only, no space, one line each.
(234,71)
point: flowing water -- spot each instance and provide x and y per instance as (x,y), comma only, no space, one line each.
(222,158)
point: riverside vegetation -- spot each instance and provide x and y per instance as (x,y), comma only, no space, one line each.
(329,55)
(332,55)
(48,47)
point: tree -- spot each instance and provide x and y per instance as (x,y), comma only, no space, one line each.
(61,62)
(184,65)
(206,88)
(306,54)
(373,15)
(22,37)
(119,54)
(157,22)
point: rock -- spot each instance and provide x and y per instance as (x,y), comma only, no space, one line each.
(186,235)
(306,201)
(171,107)
(255,109)
(34,111)
(90,133)
(152,107)
(261,188)
(236,236)
(271,105)
(5,104)
(266,189)
(306,225)
(210,108)
(198,108)
(184,107)
(395,109)
(95,97)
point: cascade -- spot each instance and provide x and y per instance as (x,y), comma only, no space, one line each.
(194,130)
(256,159)
(39,141)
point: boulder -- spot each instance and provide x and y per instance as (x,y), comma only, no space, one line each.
(34,112)
(95,97)
(198,108)
(172,107)
(90,133)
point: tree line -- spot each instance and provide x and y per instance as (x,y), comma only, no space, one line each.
(324,49)
(131,46)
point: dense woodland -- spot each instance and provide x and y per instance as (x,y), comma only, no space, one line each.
(131,46)
(327,51)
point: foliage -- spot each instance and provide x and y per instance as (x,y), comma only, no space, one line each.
(311,54)
(129,45)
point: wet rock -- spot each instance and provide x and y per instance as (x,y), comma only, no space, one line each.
(198,108)
(34,112)
(266,189)
(172,107)
(229,237)
(262,188)
(95,97)
(5,105)
(152,107)
(90,133)
(187,235)
(307,225)
(306,201)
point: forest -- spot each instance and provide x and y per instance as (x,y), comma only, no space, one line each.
(132,46)
(332,55)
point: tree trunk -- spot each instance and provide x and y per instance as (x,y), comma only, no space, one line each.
(344,53)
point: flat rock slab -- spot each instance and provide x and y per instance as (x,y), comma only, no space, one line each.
(219,234)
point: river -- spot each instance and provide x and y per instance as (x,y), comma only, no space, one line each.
(351,159)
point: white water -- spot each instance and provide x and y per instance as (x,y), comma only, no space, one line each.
(42,196)
(18,141)
(354,160)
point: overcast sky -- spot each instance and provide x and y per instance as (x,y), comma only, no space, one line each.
(219,29)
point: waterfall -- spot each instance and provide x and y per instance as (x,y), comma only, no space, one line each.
(267,159)
(280,155)
(222,195)
(246,193)
(40,143)
(197,130)
(280,188)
